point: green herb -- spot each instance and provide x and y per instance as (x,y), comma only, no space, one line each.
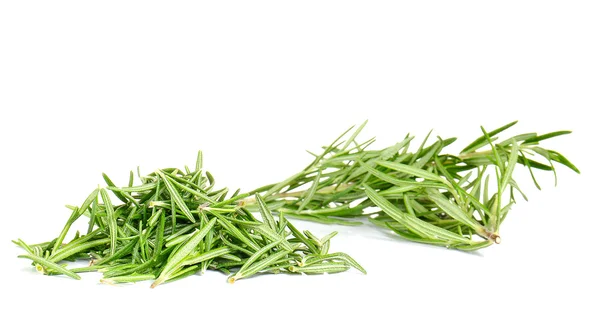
(175,225)
(426,196)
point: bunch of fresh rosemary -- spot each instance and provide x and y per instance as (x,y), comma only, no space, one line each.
(176,224)
(425,196)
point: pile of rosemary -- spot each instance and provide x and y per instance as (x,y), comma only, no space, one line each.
(175,223)
(425,196)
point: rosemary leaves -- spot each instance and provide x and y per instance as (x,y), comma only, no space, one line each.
(176,224)
(425,196)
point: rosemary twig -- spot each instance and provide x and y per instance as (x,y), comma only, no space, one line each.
(425,196)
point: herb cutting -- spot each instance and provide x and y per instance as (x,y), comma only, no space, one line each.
(425,196)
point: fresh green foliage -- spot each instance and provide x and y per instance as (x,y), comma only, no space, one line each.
(175,224)
(426,196)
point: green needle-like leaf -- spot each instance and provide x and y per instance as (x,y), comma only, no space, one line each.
(261,252)
(425,229)
(412,171)
(512,162)
(129,189)
(199,161)
(128,278)
(218,252)
(52,266)
(307,197)
(481,140)
(321,268)
(258,266)
(177,197)
(536,139)
(454,211)
(354,134)
(111,220)
(77,247)
(183,252)
(110,183)
(265,212)
(74,216)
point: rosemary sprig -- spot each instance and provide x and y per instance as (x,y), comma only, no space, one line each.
(426,196)
(175,224)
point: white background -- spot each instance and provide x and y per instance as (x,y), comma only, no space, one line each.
(92,87)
